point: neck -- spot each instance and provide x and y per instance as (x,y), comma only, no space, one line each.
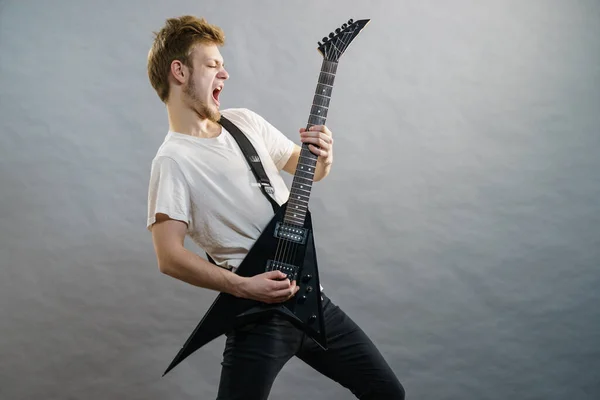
(183,119)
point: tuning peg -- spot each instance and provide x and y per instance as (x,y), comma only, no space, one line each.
(325,39)
(344,26)
(320,44)
(331,35)
(350,21)
(337,30)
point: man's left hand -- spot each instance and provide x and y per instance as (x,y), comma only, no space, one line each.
(319,142)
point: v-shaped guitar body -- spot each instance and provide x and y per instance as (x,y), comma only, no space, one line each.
(297,258)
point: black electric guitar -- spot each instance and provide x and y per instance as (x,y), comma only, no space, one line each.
(286,243)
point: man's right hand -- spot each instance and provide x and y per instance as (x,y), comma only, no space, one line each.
(268,287)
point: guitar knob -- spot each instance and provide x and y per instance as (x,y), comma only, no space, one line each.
(306,278)
(312,318)
(302,299)
(309,289)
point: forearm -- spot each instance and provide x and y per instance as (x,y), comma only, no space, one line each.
(322,170)
(189,267)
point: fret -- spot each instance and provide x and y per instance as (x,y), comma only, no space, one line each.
(302,186)
(294,221)
(312,162)
(299,219)
(305,170)
(324,90)
(307,154)
(298,208)
(307,175)
(296,214)
(299,191)
(305,179)
(299,199)
(310,167)
(307,182)
(330,65)
(320,117)
(326,80)
(297,211)
(320,111)
(302,192)
(324,75)
(326,106)
(320,103)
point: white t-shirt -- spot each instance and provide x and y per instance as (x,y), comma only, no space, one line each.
(208,184)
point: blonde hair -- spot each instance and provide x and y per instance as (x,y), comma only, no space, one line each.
(175,41)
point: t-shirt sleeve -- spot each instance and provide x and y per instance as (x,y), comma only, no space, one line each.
(168,192)
(280,147)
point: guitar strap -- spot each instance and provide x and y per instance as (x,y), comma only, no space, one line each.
(253,160)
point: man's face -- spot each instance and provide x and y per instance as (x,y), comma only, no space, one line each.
(206,81)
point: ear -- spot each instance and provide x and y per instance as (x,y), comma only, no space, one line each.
(179,71)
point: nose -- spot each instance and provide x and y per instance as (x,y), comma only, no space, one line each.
(223,74)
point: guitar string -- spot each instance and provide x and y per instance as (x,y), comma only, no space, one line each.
(293,251)
(290,248)
(332,69)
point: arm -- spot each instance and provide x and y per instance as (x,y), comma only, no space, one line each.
(176,261)
(318,135)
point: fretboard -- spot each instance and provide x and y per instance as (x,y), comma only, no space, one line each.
(305,171)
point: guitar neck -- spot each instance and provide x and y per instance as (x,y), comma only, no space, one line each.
(305,171)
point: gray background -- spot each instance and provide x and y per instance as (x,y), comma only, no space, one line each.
(460,225)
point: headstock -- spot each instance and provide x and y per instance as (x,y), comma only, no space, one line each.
(333,47)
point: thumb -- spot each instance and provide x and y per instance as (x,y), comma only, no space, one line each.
(275,274)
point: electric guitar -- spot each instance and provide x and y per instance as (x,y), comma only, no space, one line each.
(286,243)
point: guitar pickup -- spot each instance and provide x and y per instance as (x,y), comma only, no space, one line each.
(291,233)
(289,269)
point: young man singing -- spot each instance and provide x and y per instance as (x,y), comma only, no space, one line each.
(201,186)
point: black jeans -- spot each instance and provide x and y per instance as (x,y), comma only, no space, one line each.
(255,354)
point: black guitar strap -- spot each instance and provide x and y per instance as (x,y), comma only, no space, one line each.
(253,160)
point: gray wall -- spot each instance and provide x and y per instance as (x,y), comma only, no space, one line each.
(460,225)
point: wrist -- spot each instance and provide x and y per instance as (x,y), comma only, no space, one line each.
(236,284)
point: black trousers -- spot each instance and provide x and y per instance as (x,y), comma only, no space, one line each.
(255,354)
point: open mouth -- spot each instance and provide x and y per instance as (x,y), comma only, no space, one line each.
(216,94)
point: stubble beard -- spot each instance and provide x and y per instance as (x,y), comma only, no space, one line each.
(200,107)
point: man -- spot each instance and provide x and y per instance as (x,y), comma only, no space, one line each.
(201,186)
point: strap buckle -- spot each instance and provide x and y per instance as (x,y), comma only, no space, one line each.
(268,188)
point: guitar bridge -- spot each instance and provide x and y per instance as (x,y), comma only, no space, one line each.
(289,269)
(291,233)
